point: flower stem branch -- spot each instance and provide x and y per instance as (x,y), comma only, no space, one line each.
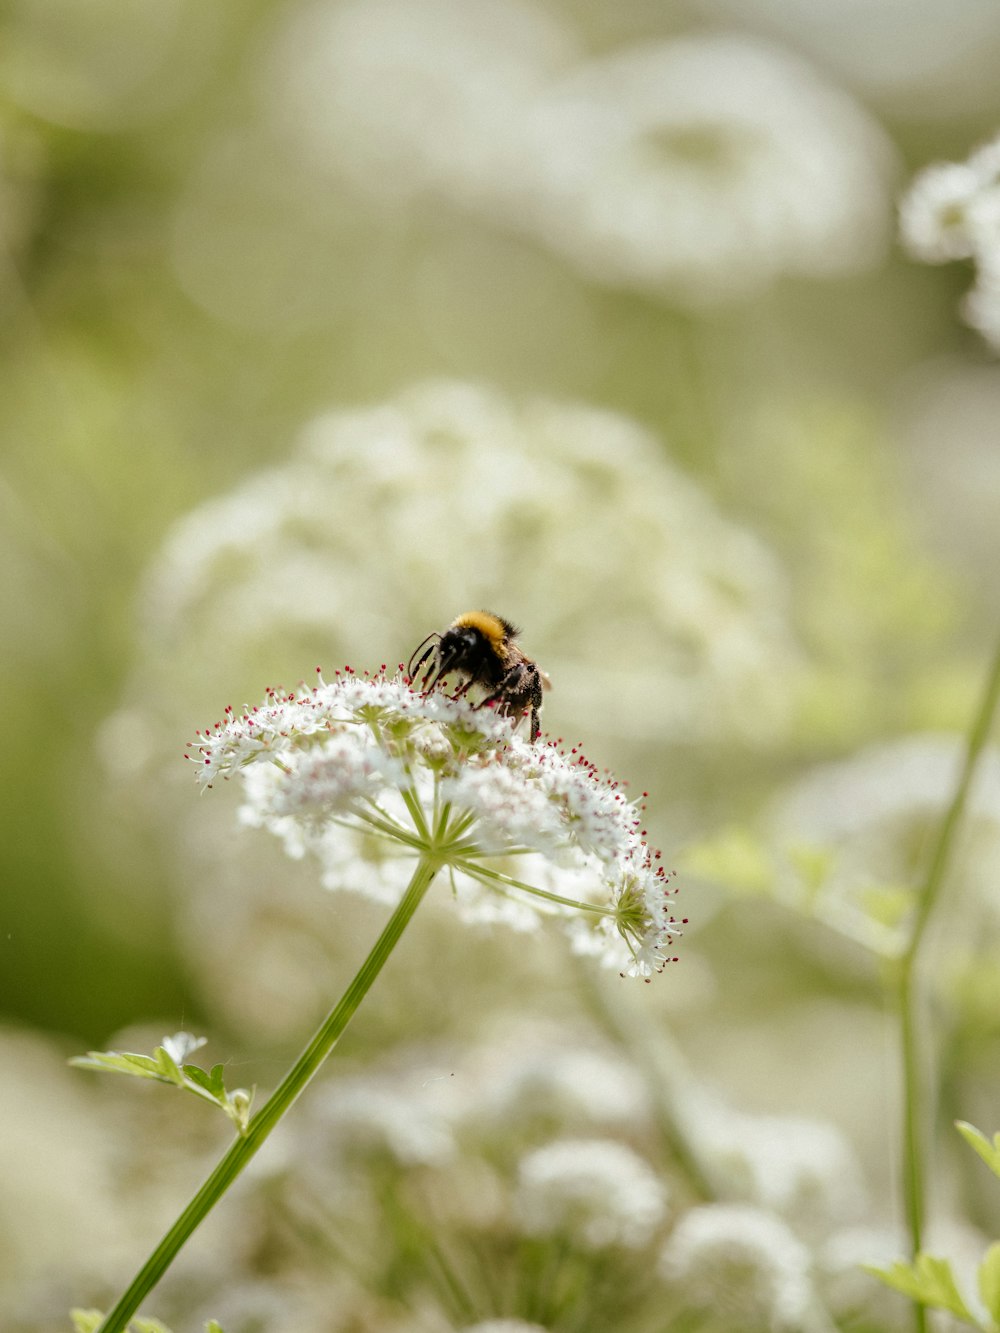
(264,1121)
(915,1100)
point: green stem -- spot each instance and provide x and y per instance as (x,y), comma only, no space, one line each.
(263,1122)
(915,1109)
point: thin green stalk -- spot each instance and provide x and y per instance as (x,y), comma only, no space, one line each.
(915,1099)
(263,1122)
(487,875)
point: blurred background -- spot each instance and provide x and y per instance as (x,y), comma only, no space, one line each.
(323,322)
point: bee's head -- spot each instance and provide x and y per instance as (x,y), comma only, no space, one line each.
(460,647)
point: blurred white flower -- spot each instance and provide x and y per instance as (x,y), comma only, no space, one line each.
(934,214)
(872,816)
(699,168)
(802,1169)
(555,1075)
(182,1045)
(952,211)
(653,613)
(597,1191)
(387,1112)
(705,167)
(981,304)
(372,764)
(850,1292)
(939,62)
(740,1265)
(410,97)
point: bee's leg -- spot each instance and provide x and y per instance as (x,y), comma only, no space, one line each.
(536,724)
(518,693)
(506,695)
(463,690)
(535,704)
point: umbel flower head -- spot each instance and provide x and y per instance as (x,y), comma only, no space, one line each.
(368,775)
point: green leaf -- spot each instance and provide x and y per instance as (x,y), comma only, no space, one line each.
(208,1084)
(168,1067)
(989,1281)
(213,1327)
(989,1152)
(927,1280)
(148,1326)
(119,1062)
(205,1080)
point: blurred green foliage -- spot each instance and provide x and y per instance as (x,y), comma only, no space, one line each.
(183,288)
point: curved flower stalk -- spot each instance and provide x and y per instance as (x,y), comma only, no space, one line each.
(388,787)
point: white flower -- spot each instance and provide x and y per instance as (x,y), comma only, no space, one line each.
(369,772)
(700,167)
(704,167)
(409,97)
(802,1169)
(952,211)
(596,1190)
(934,213)
(445,497)
(182,1045)
(533,1074)
(981,305)
(387,1112)
(741,1264)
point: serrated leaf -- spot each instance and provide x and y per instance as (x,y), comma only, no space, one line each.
(989,1152)
(86,1321)
(216,1080)
(207,1084)
(989,1281)
(204,1080)
(928,1280)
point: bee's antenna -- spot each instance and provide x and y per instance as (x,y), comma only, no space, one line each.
(417,659)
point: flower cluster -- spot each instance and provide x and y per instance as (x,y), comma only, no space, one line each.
(699,168)
(952,211)
(599,1191)
(634,551)
(368,774)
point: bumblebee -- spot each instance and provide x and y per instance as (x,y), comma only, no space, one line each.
(483,648)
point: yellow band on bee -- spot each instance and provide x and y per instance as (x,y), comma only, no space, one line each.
(489,625)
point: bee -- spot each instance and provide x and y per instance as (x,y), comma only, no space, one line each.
(483,648)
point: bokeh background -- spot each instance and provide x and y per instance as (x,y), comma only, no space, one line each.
(322,322)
